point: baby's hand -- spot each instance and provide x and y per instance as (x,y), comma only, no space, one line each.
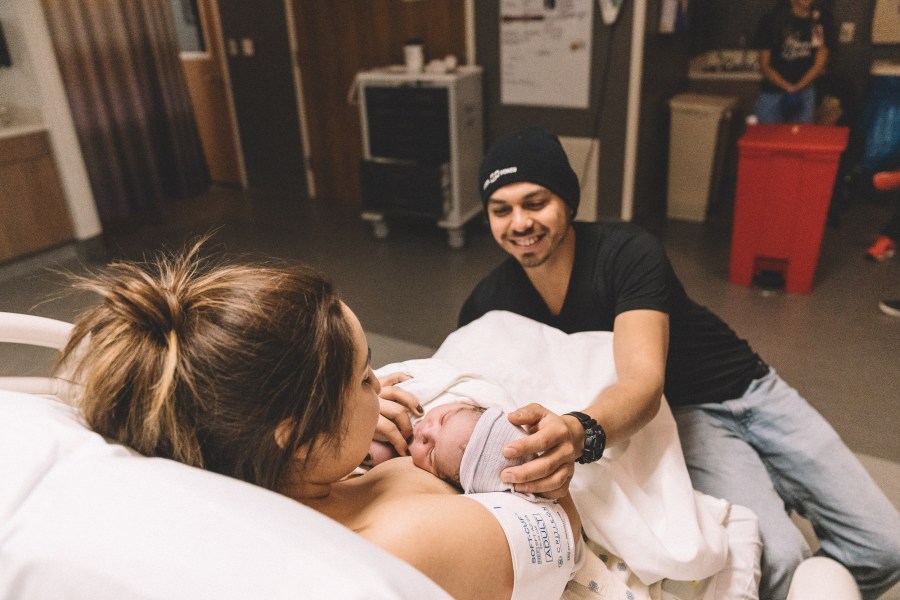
(378,453)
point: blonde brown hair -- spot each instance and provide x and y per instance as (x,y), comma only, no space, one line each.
(200,362)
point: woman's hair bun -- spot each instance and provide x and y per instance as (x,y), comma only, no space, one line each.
(146,299)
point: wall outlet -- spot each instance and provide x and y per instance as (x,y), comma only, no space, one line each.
(848,32)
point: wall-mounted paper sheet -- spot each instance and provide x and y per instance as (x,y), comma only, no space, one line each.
(609,10)
(886,23)
(545,52)
(673,16)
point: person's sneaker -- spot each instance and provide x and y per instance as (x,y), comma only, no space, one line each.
(883,249)
(890,307)
(886,180)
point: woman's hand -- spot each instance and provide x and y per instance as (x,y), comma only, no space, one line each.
(394,425)
(561,442)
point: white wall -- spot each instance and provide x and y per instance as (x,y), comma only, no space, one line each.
(18,87)
(33,89)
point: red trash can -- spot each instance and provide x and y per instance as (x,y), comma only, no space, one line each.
(784,183)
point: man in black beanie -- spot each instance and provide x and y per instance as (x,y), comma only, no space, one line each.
(747,436)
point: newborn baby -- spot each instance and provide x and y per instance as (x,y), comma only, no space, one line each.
(463,444)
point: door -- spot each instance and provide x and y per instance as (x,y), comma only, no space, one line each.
(335,40)
(260,66)
(202,57)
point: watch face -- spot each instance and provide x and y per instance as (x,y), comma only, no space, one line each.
(593,445)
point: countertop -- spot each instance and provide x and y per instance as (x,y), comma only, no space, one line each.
(725,65)
(16,129)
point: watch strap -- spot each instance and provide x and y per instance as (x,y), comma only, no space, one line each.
(594,438)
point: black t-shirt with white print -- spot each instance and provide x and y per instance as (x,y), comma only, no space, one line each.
(620,267)
(793,42)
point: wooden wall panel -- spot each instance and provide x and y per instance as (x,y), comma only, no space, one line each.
(338,39)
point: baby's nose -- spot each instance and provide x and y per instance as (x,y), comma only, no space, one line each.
(421,433)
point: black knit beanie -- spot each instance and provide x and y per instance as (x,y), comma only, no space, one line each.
(533,155)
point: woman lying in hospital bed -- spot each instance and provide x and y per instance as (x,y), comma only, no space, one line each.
(262,374)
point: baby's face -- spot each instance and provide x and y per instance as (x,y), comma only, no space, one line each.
(440,439)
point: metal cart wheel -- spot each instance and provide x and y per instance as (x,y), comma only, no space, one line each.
(456,238)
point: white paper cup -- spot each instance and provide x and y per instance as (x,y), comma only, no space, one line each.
(414,55)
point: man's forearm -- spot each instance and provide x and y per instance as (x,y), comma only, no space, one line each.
(624,408)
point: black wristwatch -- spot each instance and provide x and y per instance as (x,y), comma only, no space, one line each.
(594,438)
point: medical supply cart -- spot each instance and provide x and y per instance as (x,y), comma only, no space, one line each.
(422,145)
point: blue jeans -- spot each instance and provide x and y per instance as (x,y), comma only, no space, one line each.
(782,107)
(772,452)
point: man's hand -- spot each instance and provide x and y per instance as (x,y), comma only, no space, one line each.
(396,404)
(558,440)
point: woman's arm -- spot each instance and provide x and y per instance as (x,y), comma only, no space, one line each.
(452,540)
(460,544)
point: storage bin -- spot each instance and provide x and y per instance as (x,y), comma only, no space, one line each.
(697,147)
(785,179)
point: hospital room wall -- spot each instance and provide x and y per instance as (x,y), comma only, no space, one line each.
(664,74)
(32,86)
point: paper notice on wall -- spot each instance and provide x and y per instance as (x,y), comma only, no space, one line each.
(886,22)
(673,16)
(545,52)
(609,10)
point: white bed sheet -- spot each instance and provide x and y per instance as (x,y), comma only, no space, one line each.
(83,518)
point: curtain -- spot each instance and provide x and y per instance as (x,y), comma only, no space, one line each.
(125,85)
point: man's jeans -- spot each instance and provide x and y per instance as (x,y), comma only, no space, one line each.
(773,453)
(782,107)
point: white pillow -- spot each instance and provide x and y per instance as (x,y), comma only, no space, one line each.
(83,518)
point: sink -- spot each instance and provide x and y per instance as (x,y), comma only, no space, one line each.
(725,64)
(885,67)
(729,68)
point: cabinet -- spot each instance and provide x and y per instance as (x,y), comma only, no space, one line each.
(422,144)
(33,211)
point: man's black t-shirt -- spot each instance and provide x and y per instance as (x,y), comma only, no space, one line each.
(620,267)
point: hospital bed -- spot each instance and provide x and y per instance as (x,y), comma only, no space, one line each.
(81,517)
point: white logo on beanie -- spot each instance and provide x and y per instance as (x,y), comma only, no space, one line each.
(497,174)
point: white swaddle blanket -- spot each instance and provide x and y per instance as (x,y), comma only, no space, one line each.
(637,502)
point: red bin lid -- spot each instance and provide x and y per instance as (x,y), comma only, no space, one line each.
(806,138)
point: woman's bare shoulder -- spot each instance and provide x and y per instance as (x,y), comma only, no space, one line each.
(428,524)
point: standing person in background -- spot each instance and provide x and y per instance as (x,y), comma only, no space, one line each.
(794,40)
(885,244)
